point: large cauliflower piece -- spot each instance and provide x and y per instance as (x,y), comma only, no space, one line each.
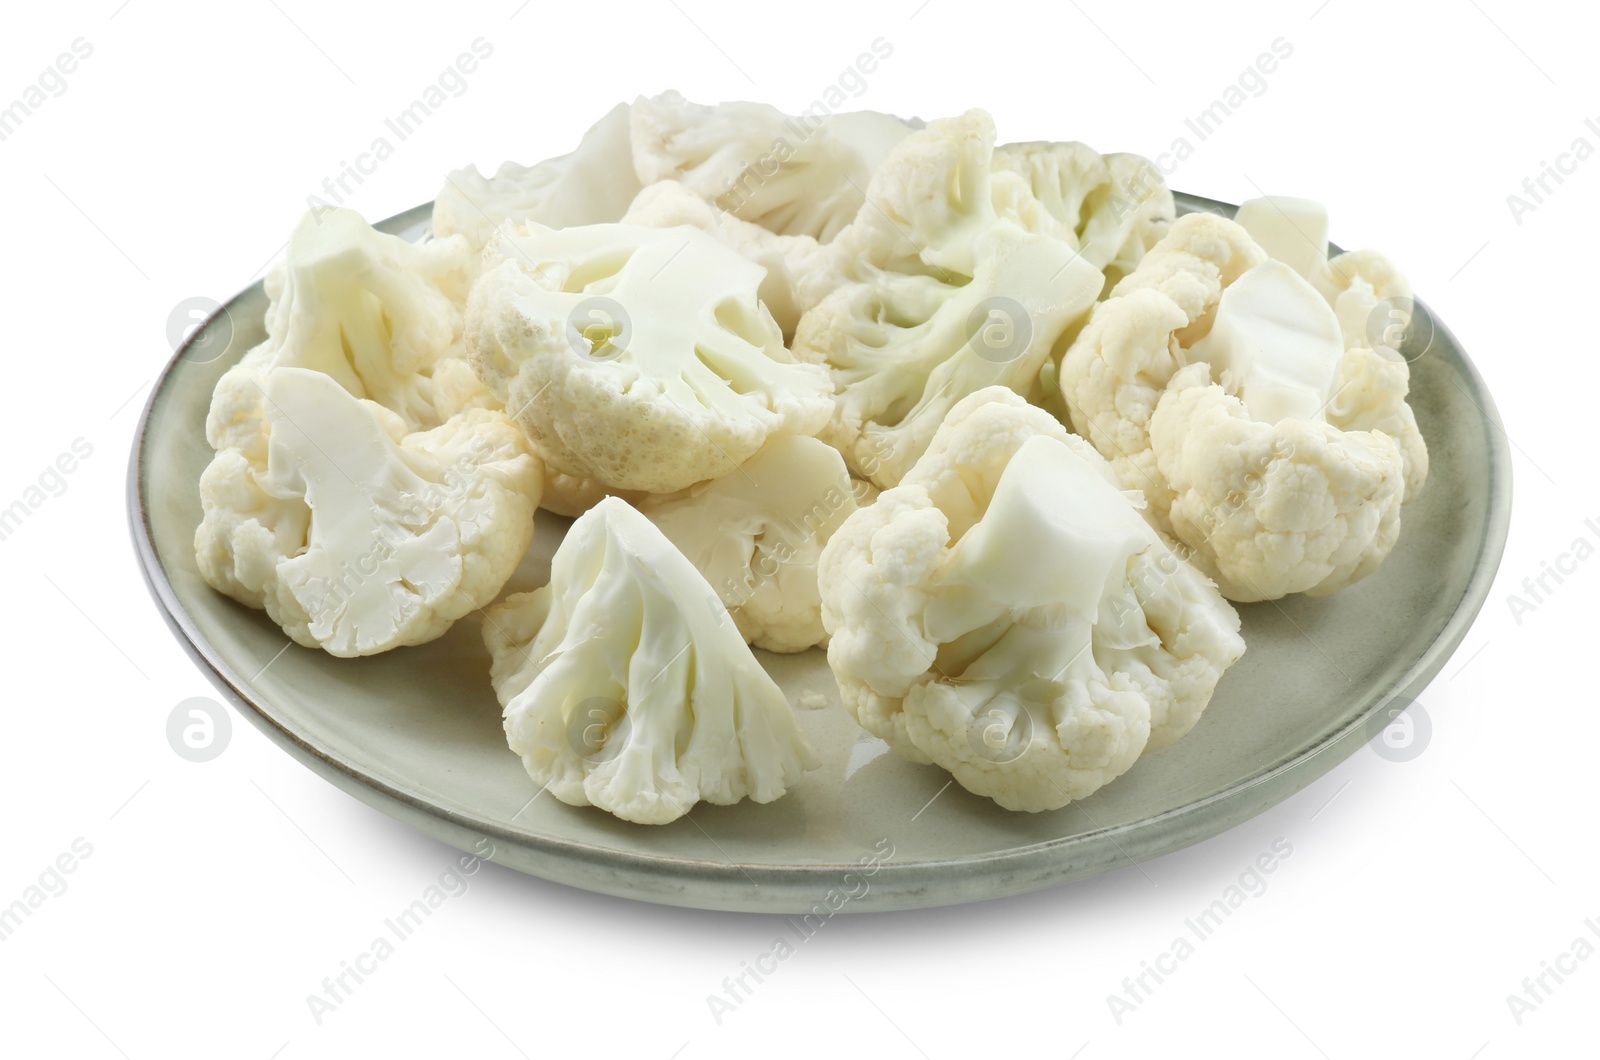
(357,535)
(626,685)
(591,185)
(799,175)
(951,295)
(637,357)
(379,315)
(756,534)
(1007,614)
(1223,386)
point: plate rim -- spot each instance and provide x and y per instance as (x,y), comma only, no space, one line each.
(777,887)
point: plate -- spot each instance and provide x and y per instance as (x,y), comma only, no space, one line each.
(416,732)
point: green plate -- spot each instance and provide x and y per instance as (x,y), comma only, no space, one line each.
(416,732)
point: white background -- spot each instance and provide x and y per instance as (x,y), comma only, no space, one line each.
(218,895)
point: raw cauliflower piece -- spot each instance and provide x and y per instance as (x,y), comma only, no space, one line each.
(797,175)
(1293,231)
(1112,208)
(1272,498)
(1007,614)
(627,686)
(357,535)
(377,314)
(637,357)
(902,350)
(591,185)
(755,535)
(798,272)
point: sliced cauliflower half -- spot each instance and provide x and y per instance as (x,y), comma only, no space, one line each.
(797,175)
(377,314)
(1007,614)
(755,535)
(1271,496)
(591,185)
(639,358)
(627,686)
(904,349)
(357,535)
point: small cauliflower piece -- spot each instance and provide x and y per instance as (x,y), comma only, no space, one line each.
(795,175)
(592,185)
(798,272)
(1112,208)
(356,535)
(637,357)
(1293,231)
(1035,683)
(755,536)
(626,685)
(375,313)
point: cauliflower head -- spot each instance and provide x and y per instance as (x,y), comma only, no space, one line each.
(796,175)
(627,686)
(755,535)
(1034,683)
(591,185)
(357,535)
(637,357)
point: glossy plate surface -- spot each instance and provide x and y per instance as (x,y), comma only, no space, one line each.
(416,732)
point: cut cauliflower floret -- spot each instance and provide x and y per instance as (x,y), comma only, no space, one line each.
(377,314)
(1112,208)
(903,350)
(797,175)
(356,535)
(591,185)
(755,535)
(627,686)
(638,357)
(799,272)
(1033,683)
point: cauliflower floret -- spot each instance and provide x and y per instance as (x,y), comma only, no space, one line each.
(799,272)
(357,536)
(903,349)
(1293,231)
(592,185)
(637,357)
(798,175)
(1112,208)
(1374,304)
(1033,683)
(1120,363)
(755,535)
(377,314)
(626,685)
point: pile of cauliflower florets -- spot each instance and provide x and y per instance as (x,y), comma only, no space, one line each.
(990,423)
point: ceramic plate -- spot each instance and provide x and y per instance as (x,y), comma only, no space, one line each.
(416,732)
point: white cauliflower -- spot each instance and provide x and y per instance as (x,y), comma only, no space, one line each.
(951,296)
(626,685)
(755,535)
(357,535)
(1112,208)
(637,357)
(379,315)
(1293,231)
(791,174)
(592,185)
(1007,614)
(798,271)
